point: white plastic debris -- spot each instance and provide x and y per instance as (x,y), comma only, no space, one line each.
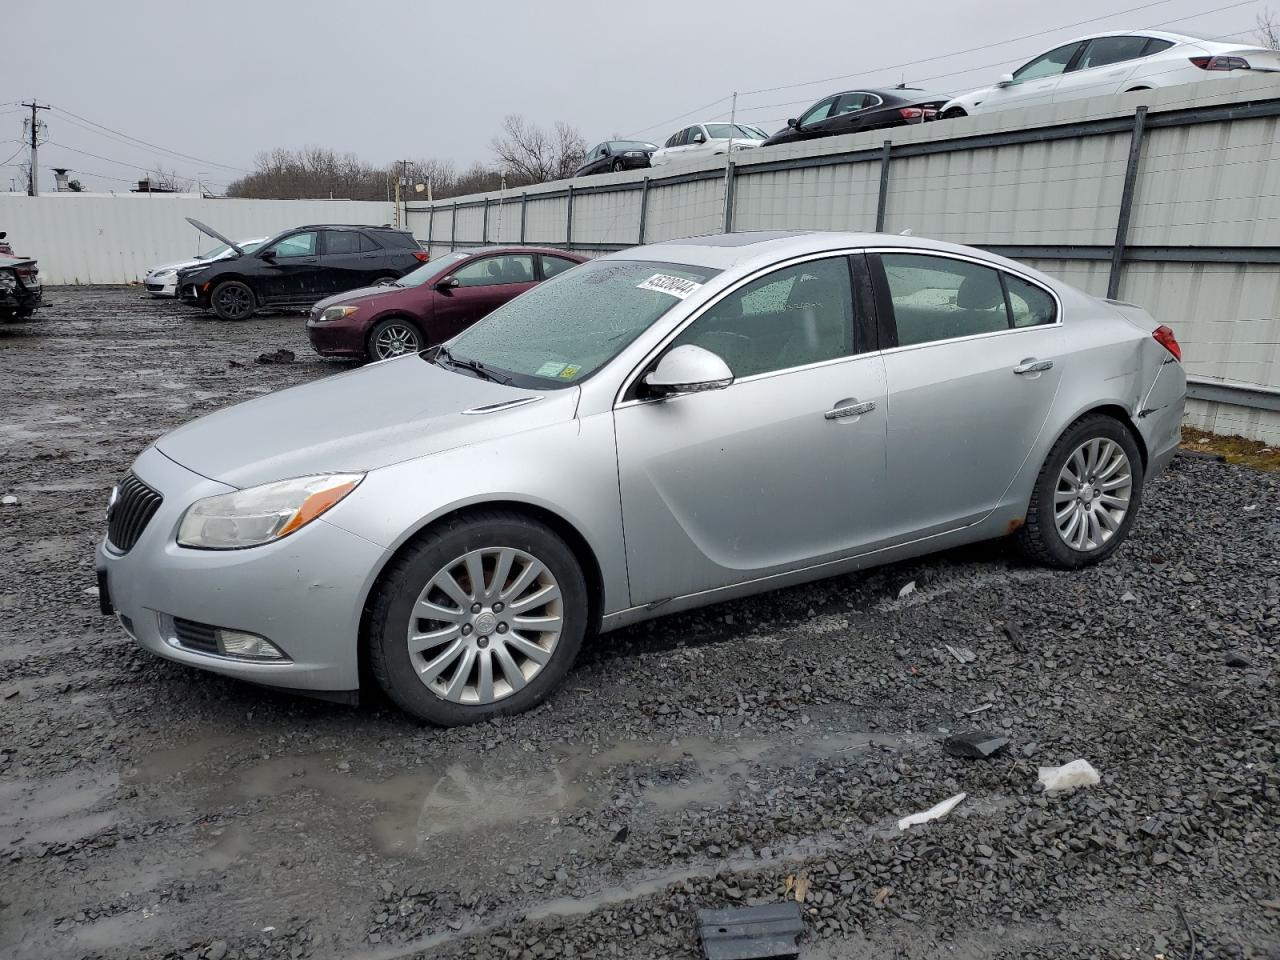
(907,590)
(933,813)
(1128,598)
(8,500)
(1077,773)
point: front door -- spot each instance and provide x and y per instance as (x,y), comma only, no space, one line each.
(1035,82)
(969,389)
(483,285)
(782,469)
(291,269)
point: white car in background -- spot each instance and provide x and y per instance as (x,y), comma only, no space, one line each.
(1107,63)
(162,281)
(708,140)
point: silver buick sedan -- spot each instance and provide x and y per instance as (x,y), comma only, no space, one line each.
(658,429)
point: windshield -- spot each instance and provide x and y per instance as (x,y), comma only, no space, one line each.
(430,271)
(723,131)
(631,145)
(222,250)
(564,330)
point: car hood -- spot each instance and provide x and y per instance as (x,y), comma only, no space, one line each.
(180,265)
(360,293)
(372,417)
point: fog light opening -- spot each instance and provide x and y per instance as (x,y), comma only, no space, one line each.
(247,646)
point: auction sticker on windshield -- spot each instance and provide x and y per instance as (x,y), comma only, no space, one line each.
(677,287)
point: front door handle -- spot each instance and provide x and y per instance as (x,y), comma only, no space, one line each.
(1032,365)
(849,408)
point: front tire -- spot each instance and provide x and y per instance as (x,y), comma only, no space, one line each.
(1086,497)
(233,300)
(616,167)
(482,617)
(394,337)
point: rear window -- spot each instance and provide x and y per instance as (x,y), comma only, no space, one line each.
(401,239)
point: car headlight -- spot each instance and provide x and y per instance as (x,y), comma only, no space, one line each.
(164,273)
(337,313)
(634,153)
(258,515)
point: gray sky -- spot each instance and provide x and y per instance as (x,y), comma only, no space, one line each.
(222,81)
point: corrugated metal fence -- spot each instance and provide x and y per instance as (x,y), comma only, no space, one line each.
(1170,199)
(114,239)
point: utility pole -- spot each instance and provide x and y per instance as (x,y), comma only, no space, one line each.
(33,174)
(728,158)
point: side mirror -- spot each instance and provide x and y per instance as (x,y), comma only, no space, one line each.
(793,123)
(1006,79)
(268,256)
(699,138)
(448,283)
(605,152)
(688,369)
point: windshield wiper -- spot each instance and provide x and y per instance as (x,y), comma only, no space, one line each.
(475,366)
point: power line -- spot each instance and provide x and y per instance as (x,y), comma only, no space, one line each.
(132,166)
(146,143)
(663,123)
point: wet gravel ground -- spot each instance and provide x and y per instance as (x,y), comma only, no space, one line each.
(746,753)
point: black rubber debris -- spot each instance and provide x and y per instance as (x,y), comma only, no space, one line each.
(277,356)
(752,933)
(1237,659)
(976,744)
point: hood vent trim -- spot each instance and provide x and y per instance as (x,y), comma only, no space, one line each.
(500,406)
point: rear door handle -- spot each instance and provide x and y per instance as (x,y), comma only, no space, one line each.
(1032,365)
(850,408)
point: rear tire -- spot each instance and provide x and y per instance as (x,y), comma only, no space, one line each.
(1086,497)
(394,337)
(488,644)
(233,300)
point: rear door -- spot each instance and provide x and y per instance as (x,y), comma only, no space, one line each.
(346,266)
(291,269)
(973,366)
(483,285)
(1103,66)
(848,113)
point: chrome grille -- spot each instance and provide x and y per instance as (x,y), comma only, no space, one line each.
(134,506)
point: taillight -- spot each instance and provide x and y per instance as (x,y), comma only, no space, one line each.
(1221,63)
(1164,336)
(917,113)
(421,256)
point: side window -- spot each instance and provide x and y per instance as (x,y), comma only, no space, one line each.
(367,243)
(671,140)
(341,242)
(493,271)
(848,103)
(791,317)
(819,112)
(937,298)
(297,245)
(1106,50)
(1049,64)
(1155,46)
(682,138)
(1029,305)
(554,265)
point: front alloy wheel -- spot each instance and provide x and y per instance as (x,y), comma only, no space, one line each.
(480,617)
(394,338)
(233,300)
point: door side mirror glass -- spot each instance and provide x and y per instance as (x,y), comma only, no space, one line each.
(793,123)
(699,138)
(1006,79)
(448,283)
(688,369)
(268,255)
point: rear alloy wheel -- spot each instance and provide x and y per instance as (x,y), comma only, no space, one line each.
(233,300)
(482,617)
(1086,496)
(617,166)
(393,337)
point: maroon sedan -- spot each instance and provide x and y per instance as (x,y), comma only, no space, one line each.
(430,304)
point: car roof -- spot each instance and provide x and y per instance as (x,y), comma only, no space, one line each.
(761,248)
(1159,34)
(512,248)
(346,226)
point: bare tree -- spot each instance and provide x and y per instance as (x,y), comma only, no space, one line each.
(168,181)
(1268,31)
(534,155)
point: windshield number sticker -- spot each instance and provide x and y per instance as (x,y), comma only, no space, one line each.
(677,287)
(551,369)
(569,372)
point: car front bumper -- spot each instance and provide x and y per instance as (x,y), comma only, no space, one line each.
(23,296)
(166,286)
(338,338)
(304,593)
(190,294)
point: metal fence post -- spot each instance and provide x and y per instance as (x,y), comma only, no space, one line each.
(524,207)
(644,208)
(453,228)
(431,221)
(729,178)
(884,185)
(568,220)
(1126,201)
(484,224)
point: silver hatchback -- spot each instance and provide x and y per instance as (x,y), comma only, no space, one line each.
(654,430)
